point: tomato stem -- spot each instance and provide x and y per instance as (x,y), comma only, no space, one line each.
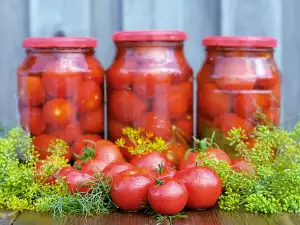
(161,169)
(159,182)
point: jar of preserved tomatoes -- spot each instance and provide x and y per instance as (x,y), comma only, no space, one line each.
(150,85)
(60,88)
(238,86)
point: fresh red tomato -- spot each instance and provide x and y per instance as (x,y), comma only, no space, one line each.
(32,120)
(93,122)
(41,145)
(272,116)
(124,150)
(115,129)
(31,91)
(120,75)
(87,139)
(115,168)
(78,181)
(174,103)
(216,154)
(59,113)
(62,78)
(235,74)
(93,166)
(151,160)
(65,171)
(68,134)
(165,172)
(159,125)
(148,84)
(191,161)
(108,151)
(167,196)
(246,105)
(241,165)
(130,188)
(175,152)
(95,71)
(184,127)
(226,122)
(89,97)
(125,106)
(203,184)
(212,101)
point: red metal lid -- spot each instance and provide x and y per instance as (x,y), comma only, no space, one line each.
(153,35)
(60,42)
(240,41)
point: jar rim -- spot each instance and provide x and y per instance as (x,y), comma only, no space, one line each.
(150,35)
(60,42)
(240,41)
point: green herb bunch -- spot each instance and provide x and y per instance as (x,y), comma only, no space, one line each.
(274,183)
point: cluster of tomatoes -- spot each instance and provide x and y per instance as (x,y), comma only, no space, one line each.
(147,179)
(238,92)
(152,89)
(61,96)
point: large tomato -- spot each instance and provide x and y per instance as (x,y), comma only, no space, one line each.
(130,188)
(151,83)
(175,152)
(93,122)
(159,125)
(174,103)
(234,74)
(167,196)
(59,113)
(62,78)
(115,168)
(69,134)
(95,71)
(212,101)
(108,151)
(32,120)
(94,166)
(151,160)
(77,181)
(87,139)
(120,74)
(31,91)
(89,97)
(227,121)
(246,105)
(125,106)
(41,145)
(203,184)
(216,154)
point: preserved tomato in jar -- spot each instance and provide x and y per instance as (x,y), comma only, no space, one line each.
(60,88)
(238,86)
(150,85)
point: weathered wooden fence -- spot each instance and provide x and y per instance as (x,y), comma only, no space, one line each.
(100,18)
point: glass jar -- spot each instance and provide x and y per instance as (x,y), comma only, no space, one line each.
(238,86)
(150,86)
(60,89)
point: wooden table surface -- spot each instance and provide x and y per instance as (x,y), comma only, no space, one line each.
(208,217)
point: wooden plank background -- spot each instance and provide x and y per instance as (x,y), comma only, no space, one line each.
(100,18)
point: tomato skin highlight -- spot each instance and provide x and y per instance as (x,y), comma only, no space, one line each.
(115,168)
(108,151)
(203,184)
(94,166)
(151,160)
(168,198)
(59,113)
(130,188)
(78,181)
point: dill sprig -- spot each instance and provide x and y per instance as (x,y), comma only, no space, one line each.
(161,219)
